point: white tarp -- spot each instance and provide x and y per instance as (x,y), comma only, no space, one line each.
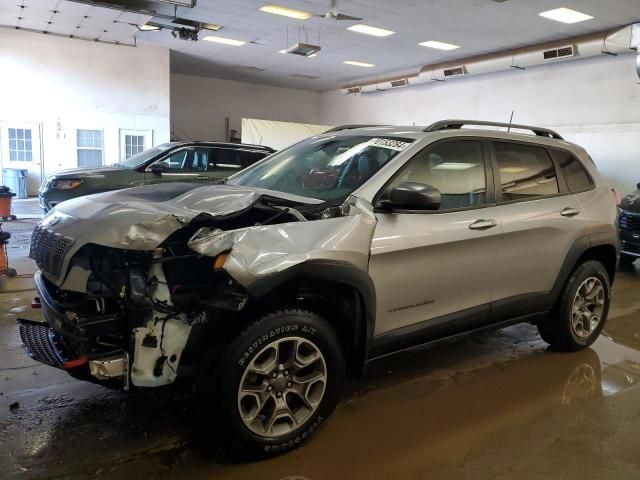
(278,135)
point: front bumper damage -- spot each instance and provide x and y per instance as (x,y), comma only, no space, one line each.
(155,323)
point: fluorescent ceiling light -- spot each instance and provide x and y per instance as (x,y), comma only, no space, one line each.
(359,64)
(513,169)
(454,166)
(286,12)
(439,45)
(566,15)
(145,27)
(224,41)
(366,29)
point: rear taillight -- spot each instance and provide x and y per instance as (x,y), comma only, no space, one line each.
(616,197)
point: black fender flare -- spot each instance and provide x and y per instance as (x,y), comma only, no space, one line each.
(336,272)
(577,250)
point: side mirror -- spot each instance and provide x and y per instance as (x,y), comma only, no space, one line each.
(158,168)
(638,185)
(412,196)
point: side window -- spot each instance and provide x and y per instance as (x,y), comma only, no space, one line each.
(455,168)
(178,161)
(227,161)
(574,173)
(525,171)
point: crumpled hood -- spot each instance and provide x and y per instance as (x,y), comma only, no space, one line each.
(631,203)
(141,218)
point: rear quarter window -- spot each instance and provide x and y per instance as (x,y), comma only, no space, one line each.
(573,171)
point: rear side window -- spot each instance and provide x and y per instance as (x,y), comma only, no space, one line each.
(228,161)
(574,172)
(525,171)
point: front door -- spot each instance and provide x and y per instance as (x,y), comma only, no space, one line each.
(434,270)
(20,149)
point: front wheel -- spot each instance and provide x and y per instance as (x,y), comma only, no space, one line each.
(275,384)
(581,310)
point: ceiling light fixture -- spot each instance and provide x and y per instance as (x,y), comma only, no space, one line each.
(224,41)
(358,64)
(439,45)
(368,30)
(147,27)
(566,15)
(286,12)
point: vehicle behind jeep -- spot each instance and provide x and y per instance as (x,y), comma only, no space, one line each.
(271,289)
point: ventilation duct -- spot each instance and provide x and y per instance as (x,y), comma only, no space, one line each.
(616,42)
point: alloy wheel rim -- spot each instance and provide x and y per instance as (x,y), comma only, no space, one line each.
(282,387)
(588,307)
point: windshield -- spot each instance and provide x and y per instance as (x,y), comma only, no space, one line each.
(327,168)
(140,158)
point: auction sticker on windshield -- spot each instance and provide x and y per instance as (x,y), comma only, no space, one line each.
(397,145)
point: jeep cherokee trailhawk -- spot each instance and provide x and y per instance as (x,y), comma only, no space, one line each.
(272,288)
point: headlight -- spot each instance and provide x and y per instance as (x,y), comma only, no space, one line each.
(66,184)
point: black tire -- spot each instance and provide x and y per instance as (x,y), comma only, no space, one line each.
(220,376)
(627,259)
(556,329)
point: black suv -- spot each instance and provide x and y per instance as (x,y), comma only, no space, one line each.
(168,162)
(630,227)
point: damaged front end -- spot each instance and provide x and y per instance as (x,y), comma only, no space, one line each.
(136,285)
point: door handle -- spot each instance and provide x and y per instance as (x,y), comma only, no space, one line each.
(483,224)
(570,212)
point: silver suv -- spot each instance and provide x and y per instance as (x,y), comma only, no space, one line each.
(270,289)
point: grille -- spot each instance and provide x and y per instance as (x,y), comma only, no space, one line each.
(42,344)
(48,249)
(630,222)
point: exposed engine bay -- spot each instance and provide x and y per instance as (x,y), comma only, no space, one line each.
(138,302)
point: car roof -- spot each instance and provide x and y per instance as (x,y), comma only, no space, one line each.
(236,146)
(420,132)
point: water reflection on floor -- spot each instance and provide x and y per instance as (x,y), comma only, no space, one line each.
(496,405)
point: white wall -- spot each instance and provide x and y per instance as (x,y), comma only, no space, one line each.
(199,105)
(64,84)
(593,102)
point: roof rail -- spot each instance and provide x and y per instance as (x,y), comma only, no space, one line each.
(458,124)
(351,127)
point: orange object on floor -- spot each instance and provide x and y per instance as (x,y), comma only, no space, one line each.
(4,261)
(5,206)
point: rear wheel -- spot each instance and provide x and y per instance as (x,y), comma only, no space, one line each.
(275,384)
(581,311)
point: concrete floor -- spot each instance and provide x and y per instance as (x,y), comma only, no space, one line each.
(496,406)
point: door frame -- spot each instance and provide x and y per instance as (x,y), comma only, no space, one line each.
(37,162)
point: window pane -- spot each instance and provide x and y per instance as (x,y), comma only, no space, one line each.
(13,155)
(12,133)
(20,156)
(89,158)
(89,138)
(12,144)
(20,133)
(134,144)
(573,171)
(27,134)
(178,160)
(28,156)
(455,168)
(525,171)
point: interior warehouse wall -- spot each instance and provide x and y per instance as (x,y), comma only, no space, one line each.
(64,84)
(199,105)
(592,102)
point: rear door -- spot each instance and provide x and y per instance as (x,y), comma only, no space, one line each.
(541,220)
(186,164)
(434,271)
